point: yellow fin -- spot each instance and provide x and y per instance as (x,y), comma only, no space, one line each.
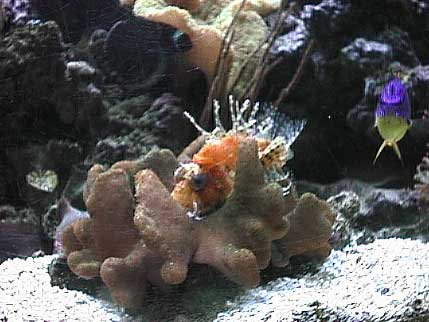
(379,151)
(396,149)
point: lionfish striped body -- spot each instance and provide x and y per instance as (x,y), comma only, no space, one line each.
(206,181)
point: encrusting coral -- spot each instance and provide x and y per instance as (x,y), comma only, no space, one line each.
(137,233)
(206,22)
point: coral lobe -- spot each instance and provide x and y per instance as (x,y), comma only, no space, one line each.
(138,233)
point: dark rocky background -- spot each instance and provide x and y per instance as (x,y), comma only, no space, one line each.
(359,44)
(84,82)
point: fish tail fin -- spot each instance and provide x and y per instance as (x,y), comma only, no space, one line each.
(383,145)
(398,153)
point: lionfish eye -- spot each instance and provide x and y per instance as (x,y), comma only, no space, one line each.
(199,181)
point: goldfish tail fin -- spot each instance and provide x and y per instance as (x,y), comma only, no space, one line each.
(379,151)
(398,153)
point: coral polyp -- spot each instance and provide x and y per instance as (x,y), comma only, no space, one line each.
(213,166)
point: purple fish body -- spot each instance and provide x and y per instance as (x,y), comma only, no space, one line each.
(394,101)
(392,116)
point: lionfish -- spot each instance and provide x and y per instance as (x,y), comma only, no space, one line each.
(204,183)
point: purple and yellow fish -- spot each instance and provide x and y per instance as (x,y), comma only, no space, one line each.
(392,116)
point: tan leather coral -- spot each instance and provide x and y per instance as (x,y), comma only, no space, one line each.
(311,223)
(206,23)
(137,233)
(237,238)
(126,3)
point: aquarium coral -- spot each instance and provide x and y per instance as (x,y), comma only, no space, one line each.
(137,233)
(172,231)
(312,220)
(207,22)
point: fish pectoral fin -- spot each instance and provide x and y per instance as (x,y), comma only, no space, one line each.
(379,151)
(397,151)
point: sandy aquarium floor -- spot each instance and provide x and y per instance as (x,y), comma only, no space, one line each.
(385,281)
(26,294)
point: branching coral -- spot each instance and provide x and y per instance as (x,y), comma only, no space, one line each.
(137,233)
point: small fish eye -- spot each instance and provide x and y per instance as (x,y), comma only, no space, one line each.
(182,41)
(199,181)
